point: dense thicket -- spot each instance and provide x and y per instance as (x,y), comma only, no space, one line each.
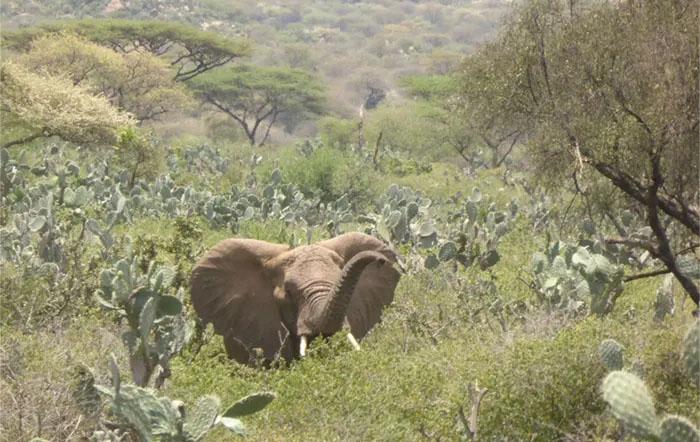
(609,89)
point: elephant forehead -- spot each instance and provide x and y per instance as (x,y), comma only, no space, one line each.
(316,255)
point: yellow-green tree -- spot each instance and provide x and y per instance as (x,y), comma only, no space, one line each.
(137,82)
(33,106)
(188,50)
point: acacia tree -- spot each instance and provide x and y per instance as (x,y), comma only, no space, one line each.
(463,127)
(609,88)
(137,82)
(189,51)
(34,106)
(255,97)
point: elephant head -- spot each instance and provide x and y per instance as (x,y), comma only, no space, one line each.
(276,298)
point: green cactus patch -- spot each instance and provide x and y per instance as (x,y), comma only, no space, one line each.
(678,429)
(631,402)
(691,352)
(611,354)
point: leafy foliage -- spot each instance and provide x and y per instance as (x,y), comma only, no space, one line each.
(527,82)
(192,51)
(44,106)
(137,82)
(255,97)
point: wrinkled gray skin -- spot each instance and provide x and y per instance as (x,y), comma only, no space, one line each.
(268,296)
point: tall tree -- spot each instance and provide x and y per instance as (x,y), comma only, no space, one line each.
(137,82)
(190,51)
(34,106)
(255,97)
(610,88)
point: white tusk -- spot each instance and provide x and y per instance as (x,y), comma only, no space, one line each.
(353,341)
(302,346)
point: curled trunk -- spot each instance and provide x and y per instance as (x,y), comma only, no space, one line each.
(334,311)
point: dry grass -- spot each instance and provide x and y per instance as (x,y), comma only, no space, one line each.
(39,374)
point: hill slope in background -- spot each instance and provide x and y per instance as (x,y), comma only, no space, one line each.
(355,46)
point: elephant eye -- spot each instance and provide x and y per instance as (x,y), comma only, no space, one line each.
(290,290)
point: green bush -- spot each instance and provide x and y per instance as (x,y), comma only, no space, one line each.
(327,173)
(338,132)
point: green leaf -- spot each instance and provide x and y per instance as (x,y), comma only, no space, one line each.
(631,402)
(114,369)
(103,301)
(250,404)
(552,281)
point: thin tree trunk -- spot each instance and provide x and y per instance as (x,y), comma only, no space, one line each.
(665,254)
(267,132)
(376,148)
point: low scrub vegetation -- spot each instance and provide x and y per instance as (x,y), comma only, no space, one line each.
(549,260)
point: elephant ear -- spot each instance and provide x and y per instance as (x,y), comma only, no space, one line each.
(232,289)
(375,288)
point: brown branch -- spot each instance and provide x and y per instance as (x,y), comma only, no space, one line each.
(267,132)
(24,140)
(646,275)
(646,245)
(633,188)
(510,149)
(664,247)
(376,148)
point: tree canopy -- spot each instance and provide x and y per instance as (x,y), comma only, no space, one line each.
(255,97)
(36,106)
(137,82)
(190,51)
(606,87)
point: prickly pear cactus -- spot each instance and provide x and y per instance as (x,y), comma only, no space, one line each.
(631,403)
(202,418)
(678,429)
(250,404)
(691,352)
(162,419)
(665,303)
(611,354)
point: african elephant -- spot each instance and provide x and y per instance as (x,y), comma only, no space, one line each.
(276,298)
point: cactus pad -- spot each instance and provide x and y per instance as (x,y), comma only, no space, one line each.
(630,402)
(611,356)
(691,352)
(678,429)
(200,420)
(250,404)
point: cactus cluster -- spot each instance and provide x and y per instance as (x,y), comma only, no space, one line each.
(470,234)
(156,418)
(157,327)
(631,402)
(573,278)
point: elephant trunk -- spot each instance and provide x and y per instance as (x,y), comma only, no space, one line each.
(333,313)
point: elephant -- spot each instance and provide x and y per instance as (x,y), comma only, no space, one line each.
(276,298)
